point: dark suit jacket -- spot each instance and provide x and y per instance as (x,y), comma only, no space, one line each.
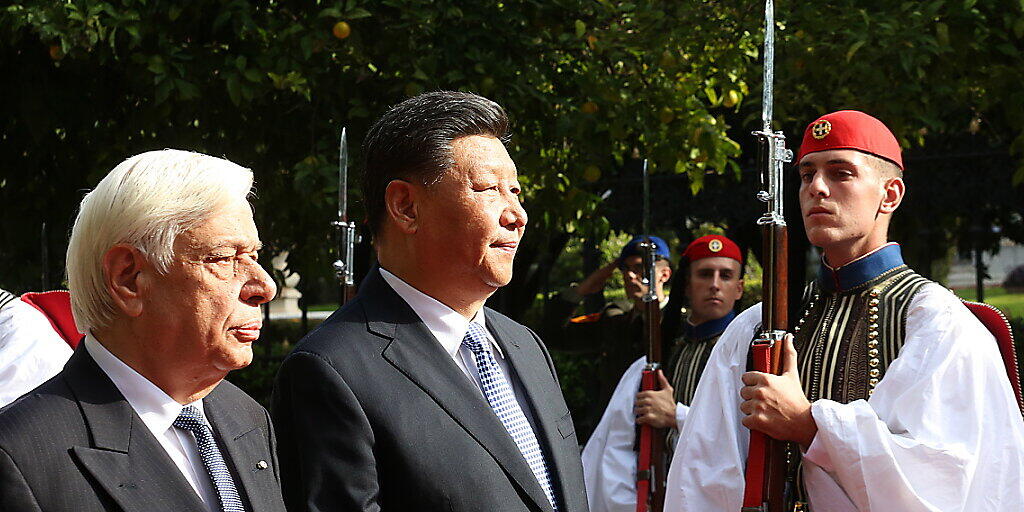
(75,444)
(373,414)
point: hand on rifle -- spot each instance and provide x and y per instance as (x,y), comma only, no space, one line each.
(656,408)
(776,404)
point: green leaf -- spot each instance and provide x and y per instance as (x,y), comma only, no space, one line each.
(358,13)
(711,94)
(942,33)
(186,89)
(163,90)
(234,91)
(330,12)
(156,65)
(853,49)
(581,28)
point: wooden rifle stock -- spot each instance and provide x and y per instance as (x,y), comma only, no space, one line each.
(650,479)
(766,486)
(650,467)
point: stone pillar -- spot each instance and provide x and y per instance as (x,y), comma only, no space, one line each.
(286,303)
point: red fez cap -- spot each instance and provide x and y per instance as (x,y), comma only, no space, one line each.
(851,129)
(711,246)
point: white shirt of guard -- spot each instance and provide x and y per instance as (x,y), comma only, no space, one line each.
(158,412)
(449,328)
(942,430)
(609,460)
(31,352)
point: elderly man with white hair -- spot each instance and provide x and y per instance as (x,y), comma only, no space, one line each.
(164,282)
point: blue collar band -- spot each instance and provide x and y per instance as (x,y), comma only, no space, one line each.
(708,329)
(860,270)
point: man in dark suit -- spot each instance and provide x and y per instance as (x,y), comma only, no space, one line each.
(414,396)
(163,277)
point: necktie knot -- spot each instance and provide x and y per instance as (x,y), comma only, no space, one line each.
(476,339)
(190,419)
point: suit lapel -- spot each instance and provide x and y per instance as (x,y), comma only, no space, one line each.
(244,446)
(124,457)
(419,356)
(535,380)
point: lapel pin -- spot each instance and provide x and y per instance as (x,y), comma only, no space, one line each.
(261,465)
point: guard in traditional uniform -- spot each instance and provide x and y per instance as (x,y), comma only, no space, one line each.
(713,269)
(893,396)
(615,333)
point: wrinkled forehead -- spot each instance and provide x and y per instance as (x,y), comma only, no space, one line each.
(478,155)
(229,225)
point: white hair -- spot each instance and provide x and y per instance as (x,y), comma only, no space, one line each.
(146,202)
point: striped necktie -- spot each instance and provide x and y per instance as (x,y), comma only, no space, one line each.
(503,402)
(192,421)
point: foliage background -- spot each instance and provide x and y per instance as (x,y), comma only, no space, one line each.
(592,86)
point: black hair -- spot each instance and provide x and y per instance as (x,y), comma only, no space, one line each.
(412,141)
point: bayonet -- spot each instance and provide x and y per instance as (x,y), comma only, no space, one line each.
(344,266)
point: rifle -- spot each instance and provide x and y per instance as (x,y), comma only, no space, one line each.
(767,489)
(344,266)
(650,467)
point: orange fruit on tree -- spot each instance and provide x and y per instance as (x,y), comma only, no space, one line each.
(341,30)
(589,107)
(731,98)
(55,52)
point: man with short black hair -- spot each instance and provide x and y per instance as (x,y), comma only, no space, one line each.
(414,396)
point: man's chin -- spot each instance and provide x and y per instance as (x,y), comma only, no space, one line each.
(239,357)
(823,237)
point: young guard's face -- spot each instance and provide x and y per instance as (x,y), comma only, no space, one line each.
(842,197)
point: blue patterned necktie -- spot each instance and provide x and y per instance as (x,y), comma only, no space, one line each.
(191,420)
(503,401)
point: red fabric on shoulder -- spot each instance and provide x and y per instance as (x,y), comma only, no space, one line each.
(56,305)
(996,323)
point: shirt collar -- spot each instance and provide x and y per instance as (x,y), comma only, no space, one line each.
(708,329)
(860,270)
(446,324)
(157,410)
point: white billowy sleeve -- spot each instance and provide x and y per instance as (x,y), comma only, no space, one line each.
(609,462)
(942,430)
(31,351)
(681,412)
(707,466)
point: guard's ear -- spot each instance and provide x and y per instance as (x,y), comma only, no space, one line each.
(894,189)
(122,270)
(400,203)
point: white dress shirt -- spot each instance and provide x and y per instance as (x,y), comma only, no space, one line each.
(449,328)
(31,352)
(158,412)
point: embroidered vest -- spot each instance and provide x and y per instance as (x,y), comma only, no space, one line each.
(691,356)
(845,340)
